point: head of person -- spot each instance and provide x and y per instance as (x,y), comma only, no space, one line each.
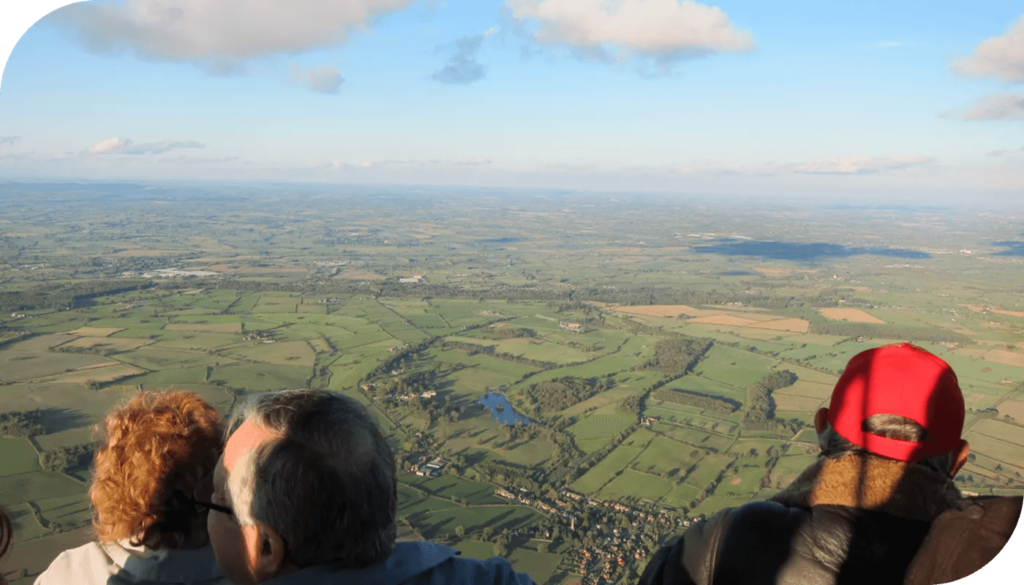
(155,449)
(310,481)
(899,402)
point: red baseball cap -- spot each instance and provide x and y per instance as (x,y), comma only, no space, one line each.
(900,379)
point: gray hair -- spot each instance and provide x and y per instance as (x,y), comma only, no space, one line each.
(890,426)
(327,486)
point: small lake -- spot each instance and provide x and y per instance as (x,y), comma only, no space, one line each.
(502,409)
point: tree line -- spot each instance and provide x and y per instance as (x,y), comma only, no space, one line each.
(65,459)
(66,296)
(677,355)
(697,399)
(22,424)
(561,393)
(760,414)
(474,349)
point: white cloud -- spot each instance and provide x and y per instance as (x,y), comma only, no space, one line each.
(12,140)
(106,146)
(999,57)
(659,28)
(462,162)
(126,146)
(1000,106)
(222,33)
(324,79)
(861,165)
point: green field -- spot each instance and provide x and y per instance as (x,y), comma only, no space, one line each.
(307,294)
(601,473)
(636,484)
(261,377)
(17,456)
(598,427)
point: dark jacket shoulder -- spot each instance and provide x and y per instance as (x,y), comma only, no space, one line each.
(769,543)
(766,542)
(965,539)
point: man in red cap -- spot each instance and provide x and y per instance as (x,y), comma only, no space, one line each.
(878,505)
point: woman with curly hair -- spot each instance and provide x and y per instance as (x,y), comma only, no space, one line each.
(156,454)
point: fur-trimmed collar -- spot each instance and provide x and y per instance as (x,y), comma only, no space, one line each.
(861,480)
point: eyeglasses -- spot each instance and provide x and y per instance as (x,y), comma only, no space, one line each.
(180,497)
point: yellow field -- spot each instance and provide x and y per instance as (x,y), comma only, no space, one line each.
(792,403)
(1013,408)
(851,315)
(120,344)
(284,353)
(1007,358)
(724,320)
(982,309)
(970,352)
(805,388)
(98,373)
(320,346)
(662,310)
(1002,451)
(207,327)
(1000,430)
(95,331)
(795,325)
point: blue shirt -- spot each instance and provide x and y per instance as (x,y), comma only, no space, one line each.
(422,563)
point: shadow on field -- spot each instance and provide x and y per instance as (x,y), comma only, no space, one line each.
(56,420)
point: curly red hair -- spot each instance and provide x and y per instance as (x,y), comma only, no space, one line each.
(157,444)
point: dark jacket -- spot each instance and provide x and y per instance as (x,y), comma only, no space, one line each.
(422,563)
(846,519)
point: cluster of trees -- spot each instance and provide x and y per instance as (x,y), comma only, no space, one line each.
(512,332)
(64,459)
(399,360)
(872,331)
(474,349)
(677,355)
(562,393)
(508,474)
(632,404)
(22,424)
(761,408)
(98,350)
(66,296)
(572,299)
(697,399)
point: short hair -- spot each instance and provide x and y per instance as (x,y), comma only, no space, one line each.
(157,444)
(6,539)
(890,426)
(327,485)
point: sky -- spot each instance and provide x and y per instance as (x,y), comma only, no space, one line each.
(905,100)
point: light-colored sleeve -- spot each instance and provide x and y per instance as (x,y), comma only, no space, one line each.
(57,573)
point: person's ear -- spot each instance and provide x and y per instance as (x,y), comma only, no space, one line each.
(821,420)
(961,457)
(270,558)
(264,551)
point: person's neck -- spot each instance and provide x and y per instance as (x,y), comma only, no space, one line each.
(863,480)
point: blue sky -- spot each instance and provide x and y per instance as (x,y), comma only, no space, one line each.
(919,100)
